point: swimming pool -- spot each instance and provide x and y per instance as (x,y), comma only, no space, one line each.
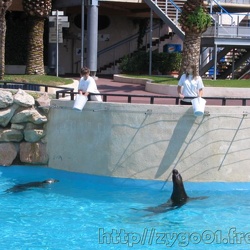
(92,212)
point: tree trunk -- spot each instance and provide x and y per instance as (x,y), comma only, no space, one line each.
(191,51)
(2,45)
(4,5)
(35,62)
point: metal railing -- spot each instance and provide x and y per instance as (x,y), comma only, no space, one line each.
(235,1)
(123,47)
(176,100)
(129,97)
(33,86)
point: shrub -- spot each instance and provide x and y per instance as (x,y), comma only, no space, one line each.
(138,63)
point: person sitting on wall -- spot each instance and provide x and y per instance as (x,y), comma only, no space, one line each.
(190,86)
(87,85)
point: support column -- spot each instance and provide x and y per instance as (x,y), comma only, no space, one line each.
(92,36)
(82,34)
(215,61)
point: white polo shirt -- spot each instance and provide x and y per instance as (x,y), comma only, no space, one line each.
(190,86)
(89,85)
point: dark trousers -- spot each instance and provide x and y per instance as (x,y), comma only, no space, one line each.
(185,103)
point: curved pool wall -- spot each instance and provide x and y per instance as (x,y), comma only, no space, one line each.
(147,141)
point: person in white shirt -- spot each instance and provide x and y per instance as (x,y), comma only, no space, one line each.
(190,86)
(87,86)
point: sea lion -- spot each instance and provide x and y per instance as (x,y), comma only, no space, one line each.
(30,185)
(178,197)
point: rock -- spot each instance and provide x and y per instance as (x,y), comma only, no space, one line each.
(43,103)
(33,153)
(31,115)
(44,100)
(17,126)
(10,135)
(6,99)
(24,99)
(8,153)
(33,135)
(30,125)
(6,115)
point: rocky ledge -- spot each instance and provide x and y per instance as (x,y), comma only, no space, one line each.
(22,128)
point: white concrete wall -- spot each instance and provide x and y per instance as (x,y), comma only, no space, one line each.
(148,141)
(208,91)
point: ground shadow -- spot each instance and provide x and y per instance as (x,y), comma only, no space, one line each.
(126,88)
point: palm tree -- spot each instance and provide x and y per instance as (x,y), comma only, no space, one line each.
(194,20)
(4,5)
(37,10)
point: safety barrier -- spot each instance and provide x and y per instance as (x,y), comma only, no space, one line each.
(244,101)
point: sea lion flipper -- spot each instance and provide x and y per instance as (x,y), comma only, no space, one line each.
(198,198)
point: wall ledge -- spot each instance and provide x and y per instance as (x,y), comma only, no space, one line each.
(172,89)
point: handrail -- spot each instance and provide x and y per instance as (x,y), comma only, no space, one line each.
(235,2)
(176,6)
(24,85)
(124,41)
(153,97)
(231,31)
(211,2)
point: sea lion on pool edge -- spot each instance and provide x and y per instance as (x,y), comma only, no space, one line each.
(30,185)
(178,198)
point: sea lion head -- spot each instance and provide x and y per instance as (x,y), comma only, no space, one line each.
(176,177)
(179,195)
(49,181)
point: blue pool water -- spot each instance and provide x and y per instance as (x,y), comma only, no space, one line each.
(91,212)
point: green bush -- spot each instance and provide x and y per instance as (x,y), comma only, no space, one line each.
(138,63)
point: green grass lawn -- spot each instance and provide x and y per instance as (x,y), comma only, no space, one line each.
(39,79)
(53,80)
(207,82)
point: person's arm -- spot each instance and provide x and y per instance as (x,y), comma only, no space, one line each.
(179,92)
(179,87)
(200,94)
(201,86)
(80,92)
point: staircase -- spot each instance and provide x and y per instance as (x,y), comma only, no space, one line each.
(169,15)
(233,35)
(169,12)
(171,8)
(112,52)
(236,63)
(230,38)
(233,58)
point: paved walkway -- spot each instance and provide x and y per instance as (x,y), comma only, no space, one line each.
(106,85)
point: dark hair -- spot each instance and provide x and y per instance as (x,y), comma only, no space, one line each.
(84,71)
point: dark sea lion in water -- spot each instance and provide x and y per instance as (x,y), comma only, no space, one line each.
(178,198)
(30,185)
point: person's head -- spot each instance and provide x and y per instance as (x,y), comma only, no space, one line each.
(85,72)
(191,70)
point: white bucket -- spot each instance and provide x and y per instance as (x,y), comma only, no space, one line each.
(80,102)
(198,106)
